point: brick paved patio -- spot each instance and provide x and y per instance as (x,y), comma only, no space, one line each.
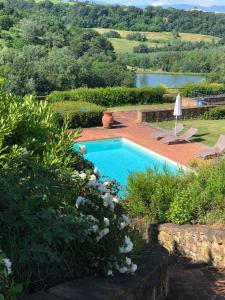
(140,133)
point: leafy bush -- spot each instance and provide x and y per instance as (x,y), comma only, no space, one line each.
(142,48)
(136,36)
(112,34)
(185,198)
(204,88)
(80,114)
(57,220)
(150,194)
(111,96)
(215,113)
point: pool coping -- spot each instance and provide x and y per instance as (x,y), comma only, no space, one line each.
(128,140)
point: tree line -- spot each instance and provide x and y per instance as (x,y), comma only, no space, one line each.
(210,61)
(40,52)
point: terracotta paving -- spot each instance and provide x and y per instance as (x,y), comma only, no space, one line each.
(127,127)
(192,282)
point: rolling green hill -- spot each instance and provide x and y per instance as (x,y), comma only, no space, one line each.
(154,39)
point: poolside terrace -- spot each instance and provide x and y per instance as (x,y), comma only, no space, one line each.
(127,126)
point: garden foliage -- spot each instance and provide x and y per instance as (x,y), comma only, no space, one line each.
(58,221)
(202,88)
(215,113)
(112,96)
(79,114)
(188,197)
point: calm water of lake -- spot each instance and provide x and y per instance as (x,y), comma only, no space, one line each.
(177,80)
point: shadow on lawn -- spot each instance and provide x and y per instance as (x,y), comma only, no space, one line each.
(198,137)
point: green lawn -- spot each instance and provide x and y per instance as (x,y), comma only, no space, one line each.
(208,130)
(141,106)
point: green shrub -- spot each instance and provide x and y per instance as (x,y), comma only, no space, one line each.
(205,88)
(136,36)
(108,97)
(215,113)
(142,48)
(80,114)
(150,194)
(186,198)
(112,34)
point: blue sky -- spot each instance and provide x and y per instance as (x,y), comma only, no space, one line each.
(168,2)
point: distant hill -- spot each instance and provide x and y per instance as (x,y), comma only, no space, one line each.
(214,8)
(145,3)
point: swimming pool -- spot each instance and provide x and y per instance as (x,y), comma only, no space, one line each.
(117,158)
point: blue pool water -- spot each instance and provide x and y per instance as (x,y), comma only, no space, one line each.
(117,158)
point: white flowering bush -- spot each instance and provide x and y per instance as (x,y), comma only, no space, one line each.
(109,226)
(8,290)
(62,221)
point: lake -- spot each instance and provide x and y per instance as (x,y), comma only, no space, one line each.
(170,80)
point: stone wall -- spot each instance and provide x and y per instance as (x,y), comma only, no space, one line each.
(200,243)
(150,282)
(167,114)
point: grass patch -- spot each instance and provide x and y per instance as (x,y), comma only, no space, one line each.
(142,106)
(208,130)
(155,39)
(126,46)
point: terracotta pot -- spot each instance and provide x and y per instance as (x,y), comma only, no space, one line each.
(107,119)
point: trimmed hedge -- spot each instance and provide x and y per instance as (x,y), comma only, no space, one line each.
(215,113)
(114,96)
(81,114)
(204,88)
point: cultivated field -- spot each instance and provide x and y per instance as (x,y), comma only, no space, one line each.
(155,39)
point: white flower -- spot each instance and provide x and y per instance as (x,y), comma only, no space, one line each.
(102,189)
(94,228)
(125,222)
(127,247)
(109,273)
(44,197)
(92,218)
(96,170)
(123,270)
(102,233)
(24,151)
(107,201)
(128,261)
(122,225)
(82,176)
(133,268)
(115,200)
(8,265)
(80,200)
(92,181)
(106,183)
(106,221)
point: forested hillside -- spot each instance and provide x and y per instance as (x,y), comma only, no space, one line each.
(47,46)
(148,19)
(40,52)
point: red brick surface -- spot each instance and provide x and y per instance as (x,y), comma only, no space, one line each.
(127,127)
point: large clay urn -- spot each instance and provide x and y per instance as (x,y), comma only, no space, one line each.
(107,119)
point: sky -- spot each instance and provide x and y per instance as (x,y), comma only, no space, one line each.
(193,2)
(168,2)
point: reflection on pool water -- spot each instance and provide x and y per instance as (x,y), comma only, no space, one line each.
(117,158)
